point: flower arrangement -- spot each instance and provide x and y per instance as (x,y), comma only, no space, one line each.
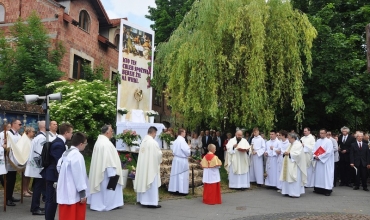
(132,173)
(129,137)
(166,137)
(122,111)
(151,113)
(197,156)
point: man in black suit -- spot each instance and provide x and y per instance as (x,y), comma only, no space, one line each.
(360,158)
(344,141)
(217,141)
(206,140)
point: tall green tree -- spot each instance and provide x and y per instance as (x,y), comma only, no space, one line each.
(240,59)
(338,92)
(167,16)
(28,60)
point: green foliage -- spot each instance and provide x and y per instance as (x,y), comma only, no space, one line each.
(130,137)
(242,59)
(166,137)
(167,17)
(337,92)
(87,105)
(27,59)
(93,74)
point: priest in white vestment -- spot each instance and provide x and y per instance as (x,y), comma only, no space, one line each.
(237,163)
(294,171)
(272,148)
(105,163)
(179,179)
(308,142)
(72,187)
(148,179)
(256,164)
(324,165)
(284,145)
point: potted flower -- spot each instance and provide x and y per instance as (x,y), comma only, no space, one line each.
(151,115)
(129,137)
(166,139)
(128,167)
(122,112)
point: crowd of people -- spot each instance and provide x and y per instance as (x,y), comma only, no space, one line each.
(285,162)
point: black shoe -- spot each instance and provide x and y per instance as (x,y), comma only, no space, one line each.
(153,206)
(356,188)
(342,184)
(42,209)
(349,185)
(15,200)
(327,194)
(38,212)
(10,203)
(366,189)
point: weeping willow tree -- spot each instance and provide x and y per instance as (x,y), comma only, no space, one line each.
(240,59)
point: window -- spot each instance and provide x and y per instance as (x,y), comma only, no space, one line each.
(2,13)
(84,21)
(114,78)
(116,40)
(78,72)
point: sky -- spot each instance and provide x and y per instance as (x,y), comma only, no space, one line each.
(134,10)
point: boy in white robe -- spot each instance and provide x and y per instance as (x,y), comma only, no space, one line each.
(179,179)
(148,179)
(272,149)
(284,145)
(72,187)
(324,168)
(237,163)
(256,164)
(211,177)
(308,142)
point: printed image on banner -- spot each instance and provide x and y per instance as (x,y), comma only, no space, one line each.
(135,66)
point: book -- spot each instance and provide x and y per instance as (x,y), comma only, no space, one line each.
(113,182)
(319,151)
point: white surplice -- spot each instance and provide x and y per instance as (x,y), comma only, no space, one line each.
(179,179)
(147,179)
(324,168)
(272,162)
(284,147)
(237,164)
(256,164)
(15,137)
(309,144)
(72,181)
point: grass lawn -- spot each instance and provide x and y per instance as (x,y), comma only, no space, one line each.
(130,195)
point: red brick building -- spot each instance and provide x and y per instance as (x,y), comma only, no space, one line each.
(86,32)
(82,26)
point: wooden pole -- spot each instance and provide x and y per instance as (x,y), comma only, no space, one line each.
(192,178)
(368,46)
(22,174)
(4,178)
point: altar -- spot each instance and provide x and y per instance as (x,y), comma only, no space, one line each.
(141,129)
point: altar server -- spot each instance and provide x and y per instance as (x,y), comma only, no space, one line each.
(324,165)
(294,173)
(284,145)
(105,168)
(72,187)
(237,163)
(148,179)
(179,179)
(211,177)
(258,149)
(308,142)
(272,148)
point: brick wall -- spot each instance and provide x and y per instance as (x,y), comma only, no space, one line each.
(73,37)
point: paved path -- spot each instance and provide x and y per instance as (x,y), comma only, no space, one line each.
(252,204)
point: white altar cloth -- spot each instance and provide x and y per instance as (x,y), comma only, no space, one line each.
(141,129)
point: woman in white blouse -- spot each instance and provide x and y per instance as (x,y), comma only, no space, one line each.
(195,144)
